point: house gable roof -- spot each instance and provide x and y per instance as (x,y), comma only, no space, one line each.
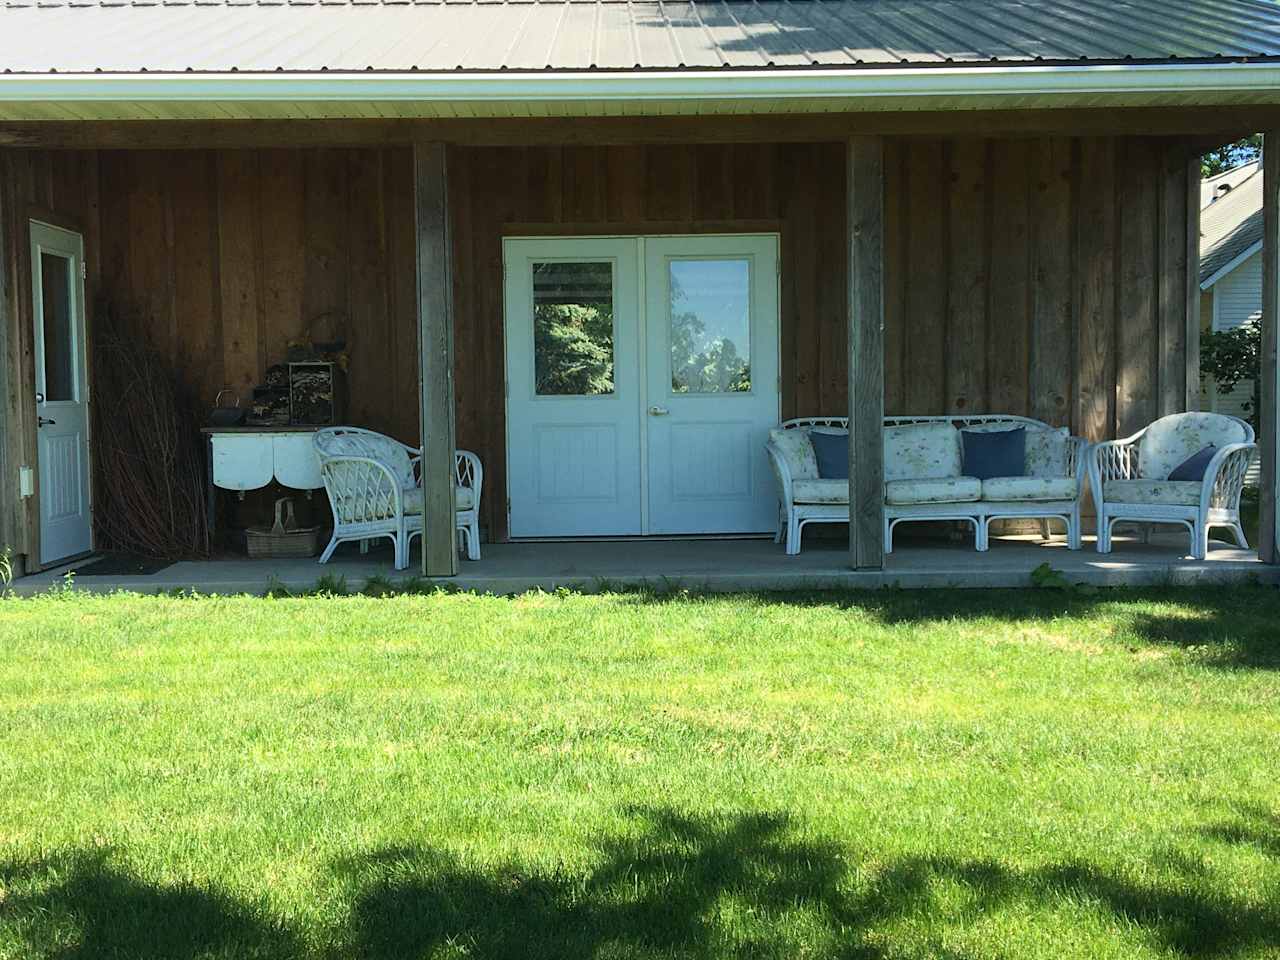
(1230,228)
(126,36)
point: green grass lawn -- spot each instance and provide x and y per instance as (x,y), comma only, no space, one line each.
(980,774)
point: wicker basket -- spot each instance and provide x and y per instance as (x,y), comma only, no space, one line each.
(282,539)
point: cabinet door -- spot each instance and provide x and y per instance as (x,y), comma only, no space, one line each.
(296,463)
(242,462)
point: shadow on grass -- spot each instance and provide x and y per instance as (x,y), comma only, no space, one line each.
(744,886)
(668,885)
(78,906)
(1229,626)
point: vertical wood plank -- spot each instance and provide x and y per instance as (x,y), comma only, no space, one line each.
(1138,344)
(966,333)
(284,253)
(435,332)
(1095,289)
(926,310)
(896,272)
(865,197)
(832,283)
(401,240)
(368,315)
(624,197)
(1269,415)
(1191,277)
(1172,341)
(239,263)
(1052,318)
(1009,290)
(195,283)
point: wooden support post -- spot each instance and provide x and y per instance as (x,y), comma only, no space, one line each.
(435,366)
(864,159)
(1269,415)
(1191,167)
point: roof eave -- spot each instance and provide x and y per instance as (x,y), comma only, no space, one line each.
(1061,85)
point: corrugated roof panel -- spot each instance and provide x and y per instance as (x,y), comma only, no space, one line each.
(449,35)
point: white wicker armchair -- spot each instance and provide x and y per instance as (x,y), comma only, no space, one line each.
(1129,477)
(374,490)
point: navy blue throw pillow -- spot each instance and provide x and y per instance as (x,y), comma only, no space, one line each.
(1194,466)
(832,451)
(1002,453)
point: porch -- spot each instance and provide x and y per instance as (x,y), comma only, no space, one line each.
(726,565)
(1045,268)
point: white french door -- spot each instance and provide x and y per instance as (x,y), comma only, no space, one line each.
(642,380)
(62,392)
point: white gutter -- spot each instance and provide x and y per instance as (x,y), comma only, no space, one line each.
(602,85)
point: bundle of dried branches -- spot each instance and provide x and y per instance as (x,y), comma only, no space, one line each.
(149,467)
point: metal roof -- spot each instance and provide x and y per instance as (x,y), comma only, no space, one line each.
(128,36)
(1230,226)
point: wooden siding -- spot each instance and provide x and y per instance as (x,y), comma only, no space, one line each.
(1038,275)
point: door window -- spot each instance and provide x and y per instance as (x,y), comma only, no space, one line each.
(709,307)
(573,330)
(59,327)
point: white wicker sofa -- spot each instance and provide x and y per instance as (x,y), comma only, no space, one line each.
(1130,477)
(923,478)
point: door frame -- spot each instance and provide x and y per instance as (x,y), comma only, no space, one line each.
(770,230)
(36,225)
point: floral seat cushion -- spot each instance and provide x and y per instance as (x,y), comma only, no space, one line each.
(933,490)
(1181,493)
(1172,439)
(464,499)
(922,451)
(1029,488)
(796,450)
(820,491)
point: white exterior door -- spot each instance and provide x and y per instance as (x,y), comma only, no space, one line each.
(62,392)
(573,388)
(712,377)
(642,379)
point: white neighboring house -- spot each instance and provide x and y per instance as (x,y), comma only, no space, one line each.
(1231,268)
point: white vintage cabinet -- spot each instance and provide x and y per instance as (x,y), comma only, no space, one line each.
(249,458)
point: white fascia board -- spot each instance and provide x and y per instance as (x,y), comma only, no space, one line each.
(974,83)
(1249,251)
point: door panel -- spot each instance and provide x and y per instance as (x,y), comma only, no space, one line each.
(573,423)
(712,358)
(62,405)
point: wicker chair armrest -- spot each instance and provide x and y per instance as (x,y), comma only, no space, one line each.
(1110,460)
(782,474)
(469,472)
(1224,477)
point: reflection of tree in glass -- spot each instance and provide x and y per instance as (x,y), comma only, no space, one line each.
(574,349)
(699,365)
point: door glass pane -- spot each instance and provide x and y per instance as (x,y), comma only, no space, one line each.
(573,329)
(59,330)
(710,326)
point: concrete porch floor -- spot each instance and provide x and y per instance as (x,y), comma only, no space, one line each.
(715,565)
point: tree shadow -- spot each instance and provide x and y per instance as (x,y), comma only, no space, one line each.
(1254,826)
(743,886)
(77,906)
(1229,626)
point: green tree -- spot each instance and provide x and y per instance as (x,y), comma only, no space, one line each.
(1232,356)
(1231,155)
(573,347)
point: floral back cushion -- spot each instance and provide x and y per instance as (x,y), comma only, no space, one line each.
(921,451)
(372,446)
(797,451)
(1172,439)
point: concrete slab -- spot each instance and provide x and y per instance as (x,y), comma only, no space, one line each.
(716,566)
